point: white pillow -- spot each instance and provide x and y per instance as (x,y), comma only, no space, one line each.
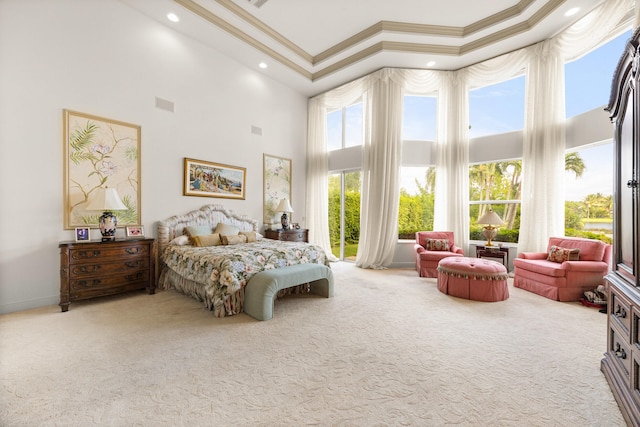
(259,236)
(180,240)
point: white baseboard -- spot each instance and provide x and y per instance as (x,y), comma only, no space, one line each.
(26,305)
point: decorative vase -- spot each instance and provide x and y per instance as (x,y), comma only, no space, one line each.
(284,219)
(108,224)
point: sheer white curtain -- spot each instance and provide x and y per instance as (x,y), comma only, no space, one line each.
(380,166)
(451,201)
(605,22)
(542,209)
(317,203)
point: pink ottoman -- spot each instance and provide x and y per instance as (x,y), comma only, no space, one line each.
(473,278)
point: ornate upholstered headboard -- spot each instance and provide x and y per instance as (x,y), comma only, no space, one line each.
(211,215)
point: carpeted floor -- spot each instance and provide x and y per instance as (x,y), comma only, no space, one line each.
(387,350)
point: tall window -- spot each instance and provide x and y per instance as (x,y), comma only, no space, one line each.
(417,175)
(595,72)
(589,165)
(344,214)
(419,118)
(496,109)
(588,203)
(345,127)
(344,130)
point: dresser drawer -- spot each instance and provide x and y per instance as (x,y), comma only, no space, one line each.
(91,270)
(620,310)
(109,252)
(620,350)
(80,289)
(295,235)
(298,236)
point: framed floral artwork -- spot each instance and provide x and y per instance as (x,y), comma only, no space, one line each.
(277,186)
(99,153)
(202,178)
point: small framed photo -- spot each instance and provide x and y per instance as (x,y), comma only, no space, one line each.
(82,234)
(135,231)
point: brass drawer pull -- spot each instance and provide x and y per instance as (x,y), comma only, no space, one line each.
(88,254)
(132,277)
(133,264)
(85,283)
(619,351)
(620,312)
(132,251)
(88,268)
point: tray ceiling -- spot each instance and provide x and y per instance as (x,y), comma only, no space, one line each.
(313,46)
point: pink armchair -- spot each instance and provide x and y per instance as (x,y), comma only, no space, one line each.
(427,260)
(566,280)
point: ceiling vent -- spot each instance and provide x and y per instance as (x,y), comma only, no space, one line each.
(257,3)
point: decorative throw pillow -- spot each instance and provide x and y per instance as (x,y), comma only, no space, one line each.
(437,245)
(206,240)
(233,239)
(197,230)
(252,236)
(180,240)
(560,254)
(226,229)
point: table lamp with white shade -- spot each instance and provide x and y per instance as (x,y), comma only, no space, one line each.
(107,200)
(490,220)
(284,207)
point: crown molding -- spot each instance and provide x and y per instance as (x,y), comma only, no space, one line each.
(378,29)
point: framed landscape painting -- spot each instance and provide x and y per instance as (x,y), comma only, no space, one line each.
(99,153)
(208,179)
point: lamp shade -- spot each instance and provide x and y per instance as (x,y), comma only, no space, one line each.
(490,218)
(106,199)
(284,206)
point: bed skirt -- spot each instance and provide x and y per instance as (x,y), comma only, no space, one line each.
(169,279)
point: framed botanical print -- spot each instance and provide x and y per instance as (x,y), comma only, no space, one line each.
(277,185)
(99,153)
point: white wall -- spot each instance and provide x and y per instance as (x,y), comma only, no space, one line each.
(103,58)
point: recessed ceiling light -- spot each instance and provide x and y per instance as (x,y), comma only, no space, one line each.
(572,11)
(431,63)
(263,65)
(172,17)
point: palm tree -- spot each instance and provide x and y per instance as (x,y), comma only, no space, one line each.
(514,168)
(483,178)
(574,163)
(591,201)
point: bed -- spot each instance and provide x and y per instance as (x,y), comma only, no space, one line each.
(217,275)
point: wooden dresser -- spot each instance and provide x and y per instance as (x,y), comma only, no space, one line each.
(295,235)
(95,269)
(621,363)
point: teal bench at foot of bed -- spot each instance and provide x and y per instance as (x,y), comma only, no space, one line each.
(261,290)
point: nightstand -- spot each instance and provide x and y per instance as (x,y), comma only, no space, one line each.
(294,235)
(94,269)
(501,252)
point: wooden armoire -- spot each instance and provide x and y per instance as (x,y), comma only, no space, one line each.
(621,363)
